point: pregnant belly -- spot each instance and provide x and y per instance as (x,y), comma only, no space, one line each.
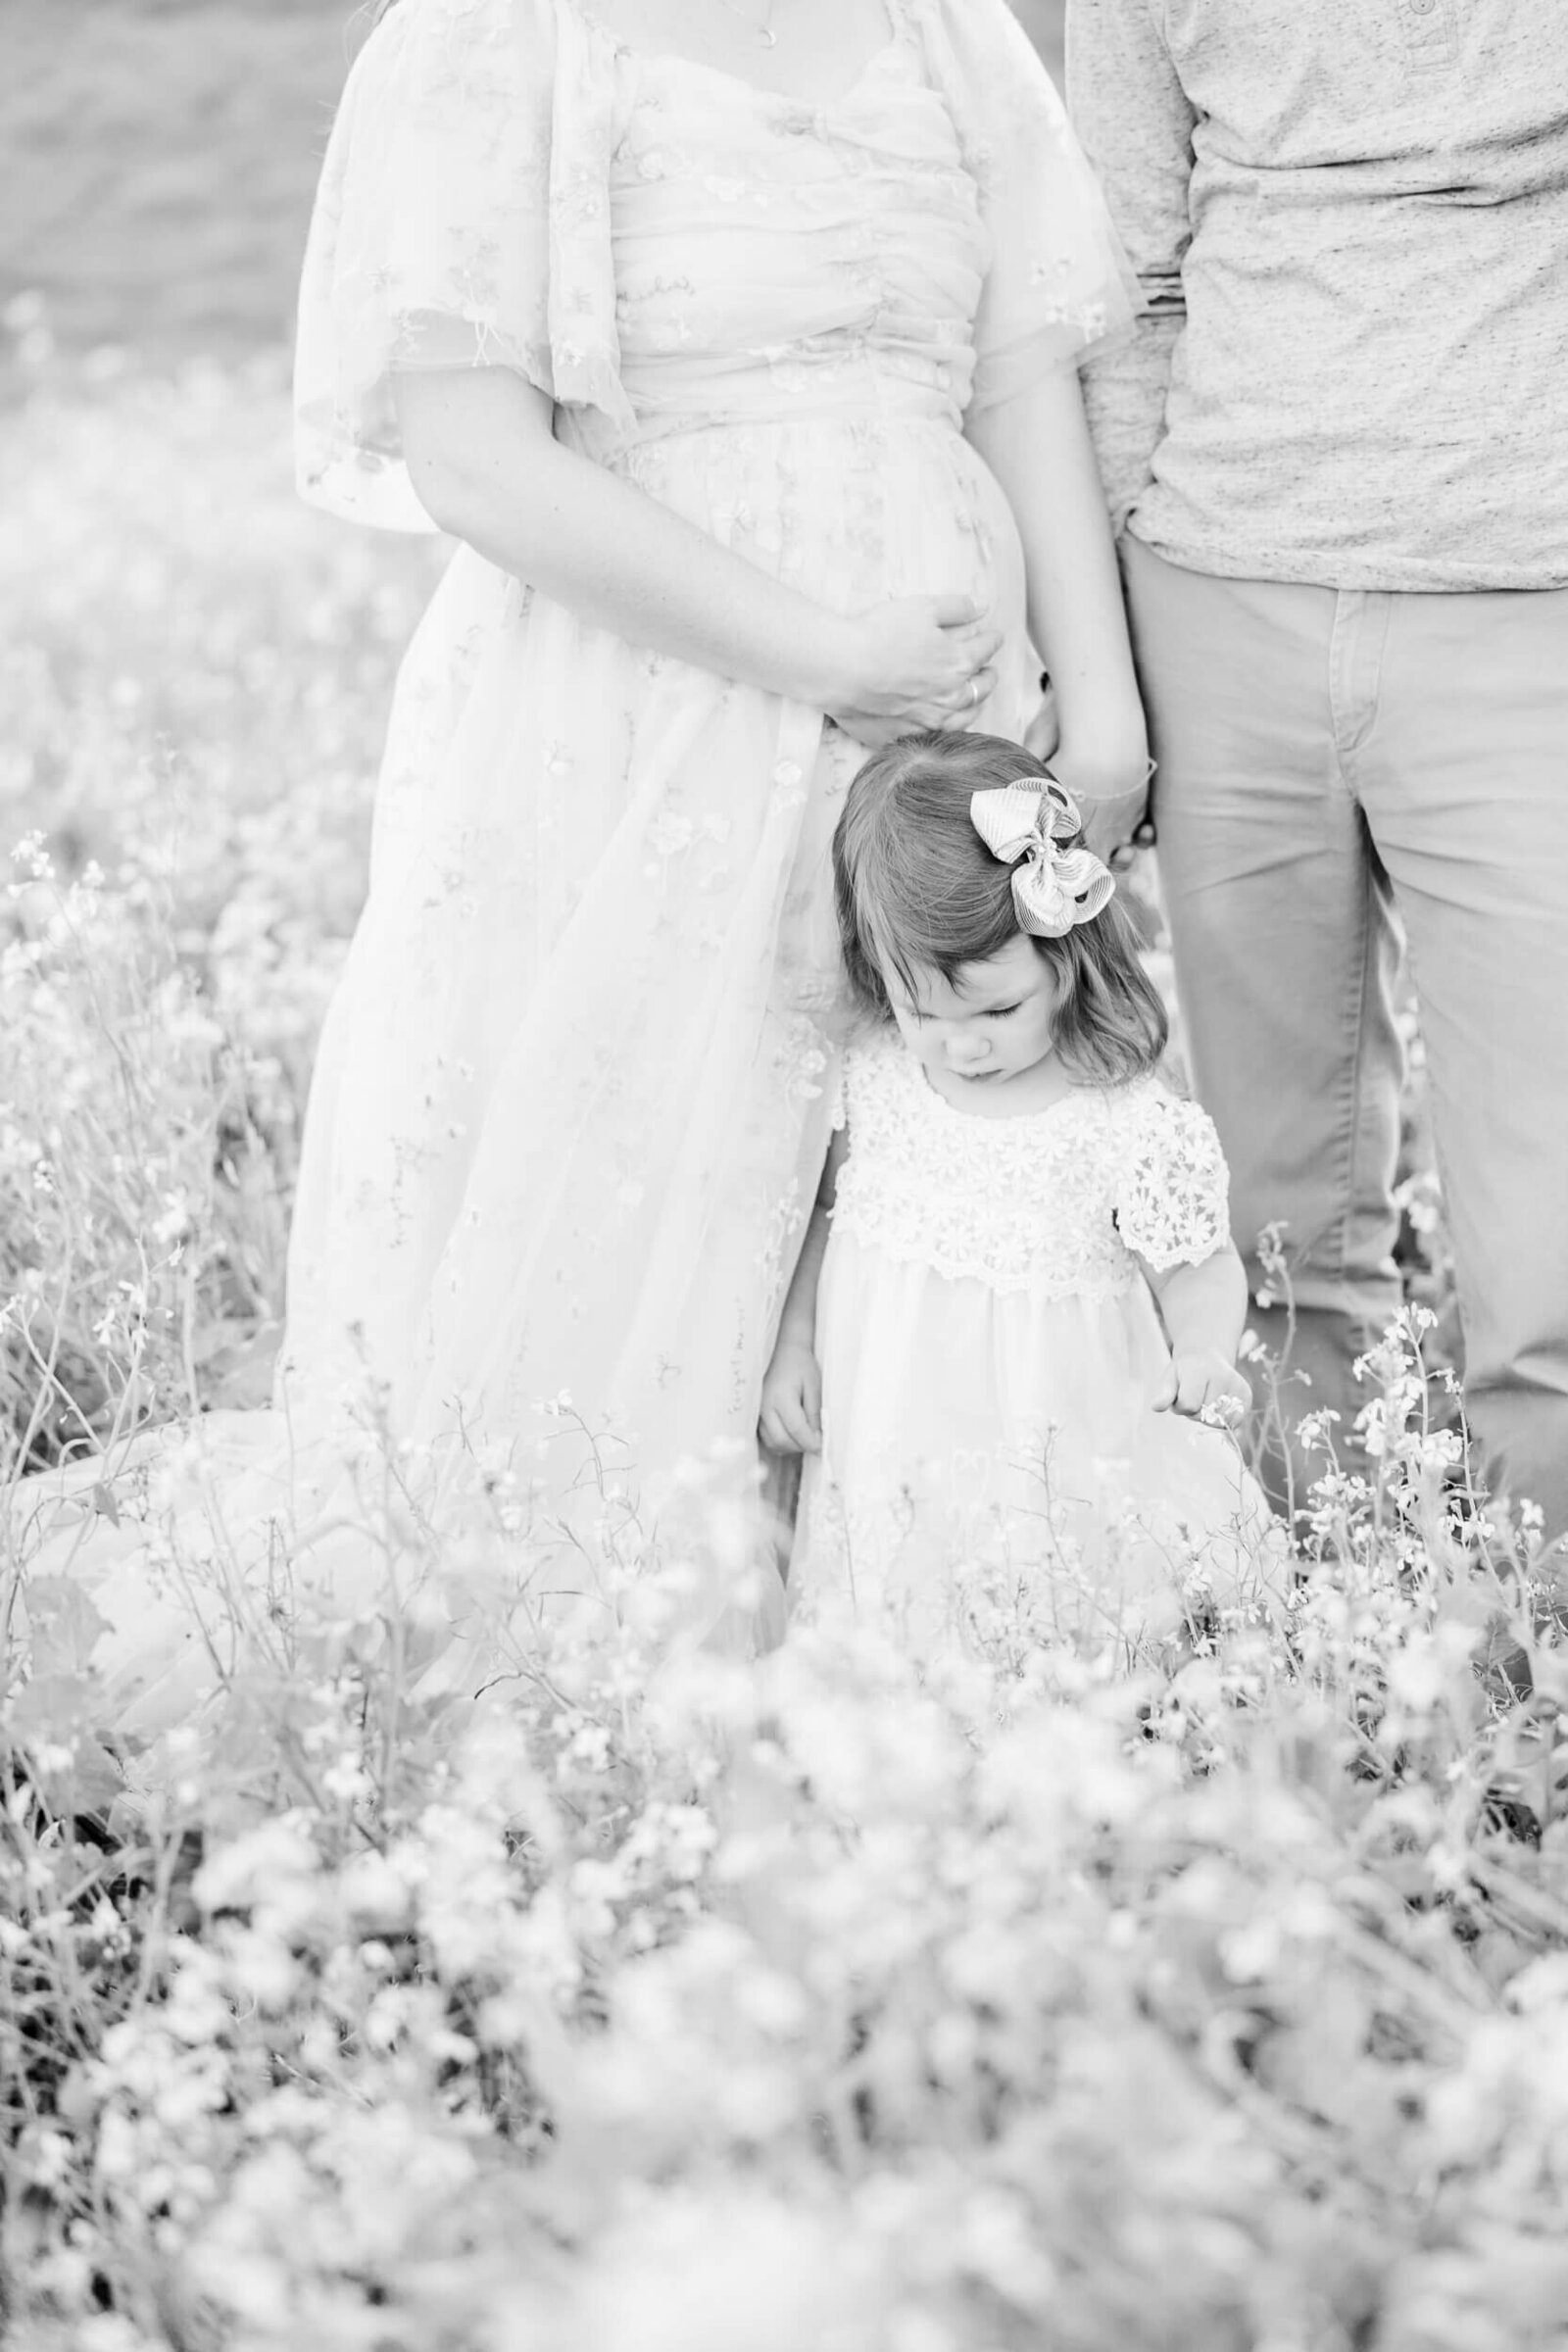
(847,510)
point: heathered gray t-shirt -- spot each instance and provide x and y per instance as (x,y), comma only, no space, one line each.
(1350,219)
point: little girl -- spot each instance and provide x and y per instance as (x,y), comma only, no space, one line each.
(1002,1419)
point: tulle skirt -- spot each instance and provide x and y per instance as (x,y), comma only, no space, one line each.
(995,1470)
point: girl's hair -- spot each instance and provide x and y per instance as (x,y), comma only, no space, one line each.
(917,889)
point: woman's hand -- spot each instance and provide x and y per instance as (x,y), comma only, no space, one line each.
(486,465)
(915,661)
(791,1418)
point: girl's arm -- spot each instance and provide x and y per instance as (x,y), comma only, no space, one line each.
(1037,444)
(485,464)
(791,1418)
(1203,1303)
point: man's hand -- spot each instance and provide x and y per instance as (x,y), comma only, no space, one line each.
(791,1418)
(1110,788)
(1206,1384)
(1112,821)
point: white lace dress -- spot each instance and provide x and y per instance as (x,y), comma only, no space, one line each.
(993,1459)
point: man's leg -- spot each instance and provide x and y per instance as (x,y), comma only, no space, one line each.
(1285,952)
(1465,778)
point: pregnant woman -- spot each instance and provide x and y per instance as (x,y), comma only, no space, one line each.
(734,340)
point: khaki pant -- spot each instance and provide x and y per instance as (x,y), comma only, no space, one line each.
(1335,765)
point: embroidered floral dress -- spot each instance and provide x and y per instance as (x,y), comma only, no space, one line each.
(993,1456)
(571,1101)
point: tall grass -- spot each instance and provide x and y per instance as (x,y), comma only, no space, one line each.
(195,671)
(1072,1996)
(1053,1999)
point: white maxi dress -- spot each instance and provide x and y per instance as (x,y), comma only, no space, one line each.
(573,1095)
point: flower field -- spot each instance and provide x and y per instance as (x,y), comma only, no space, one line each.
(1071,2000)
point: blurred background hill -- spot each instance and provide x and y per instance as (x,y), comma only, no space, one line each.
(157,159)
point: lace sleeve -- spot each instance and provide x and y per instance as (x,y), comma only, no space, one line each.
(462,220)
(1172,1205)
(1059,283)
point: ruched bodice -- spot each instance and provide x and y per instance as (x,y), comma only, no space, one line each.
(830,258)
(659,245)
(795,295)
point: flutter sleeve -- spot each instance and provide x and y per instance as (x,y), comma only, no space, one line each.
(1173,1194)
(1058,283)
(462,220)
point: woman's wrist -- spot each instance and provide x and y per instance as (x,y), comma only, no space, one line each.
(1104,731)
(823,670)
(1106,770)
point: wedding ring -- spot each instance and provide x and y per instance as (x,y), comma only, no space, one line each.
(974,694)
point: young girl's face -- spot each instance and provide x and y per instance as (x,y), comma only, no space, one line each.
(991,1024)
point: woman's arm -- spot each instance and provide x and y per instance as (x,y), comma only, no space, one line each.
(1037,444)
(485,464)
(1203,1303)
(790,1416)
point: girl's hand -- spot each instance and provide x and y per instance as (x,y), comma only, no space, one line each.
(1206,1382)
(915,661)
(791,1418)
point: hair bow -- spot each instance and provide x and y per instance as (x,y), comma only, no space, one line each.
(1053,888)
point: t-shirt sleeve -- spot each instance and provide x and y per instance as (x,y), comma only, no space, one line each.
(1059,283)
(1173,1194)
(462,220)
